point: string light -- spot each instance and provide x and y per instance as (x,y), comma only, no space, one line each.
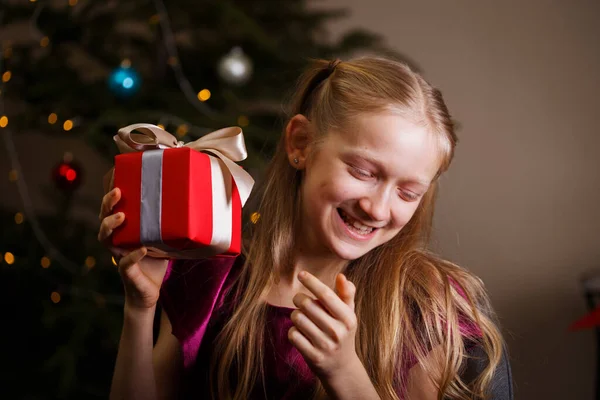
(254,217)
(182,80)
(182,130)
(52,118)
(55,297)
(6,76)
(204,95)
(68,125)
(155,19)
(90,262)
(114,261)
(19,218)
(161,126)
(45,262)
(243,121)
(45,41)
(72,3)
(9,258)
(185,86)
(21,186)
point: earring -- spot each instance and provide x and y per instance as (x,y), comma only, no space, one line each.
(295,161)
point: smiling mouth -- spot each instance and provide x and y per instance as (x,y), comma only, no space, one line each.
(354,224)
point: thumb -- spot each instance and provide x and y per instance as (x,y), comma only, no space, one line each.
(346,290)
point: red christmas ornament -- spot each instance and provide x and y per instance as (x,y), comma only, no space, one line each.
(590,320)
(67,175)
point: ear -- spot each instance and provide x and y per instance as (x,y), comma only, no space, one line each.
(299,134)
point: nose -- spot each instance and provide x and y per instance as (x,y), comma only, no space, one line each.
(377,204)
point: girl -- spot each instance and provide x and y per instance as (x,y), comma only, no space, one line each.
(335,294)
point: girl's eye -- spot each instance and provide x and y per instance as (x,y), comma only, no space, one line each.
(362,173)
(409,196)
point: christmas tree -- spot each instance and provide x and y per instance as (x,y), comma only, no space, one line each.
(87,68)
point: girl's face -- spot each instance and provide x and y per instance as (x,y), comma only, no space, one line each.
(362,186)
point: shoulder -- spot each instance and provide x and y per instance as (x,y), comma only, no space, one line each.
(193,288)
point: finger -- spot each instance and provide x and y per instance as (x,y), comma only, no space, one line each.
(118,253)
(303,345)
(311,331)
(130,259)
(314,311)
(328,298)
(109,224)
(108,202)
(345,289)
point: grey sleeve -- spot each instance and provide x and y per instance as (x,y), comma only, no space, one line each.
(501,387)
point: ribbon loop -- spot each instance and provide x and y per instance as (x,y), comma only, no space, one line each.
(227,144)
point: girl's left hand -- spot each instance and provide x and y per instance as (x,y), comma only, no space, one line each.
(324,329)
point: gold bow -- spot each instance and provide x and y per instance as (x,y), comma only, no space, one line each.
(227,144)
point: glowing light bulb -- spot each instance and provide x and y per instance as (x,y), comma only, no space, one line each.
(19,218)
(182,130)
(68,125)
(90,262)
(45,262)
(55,297)
(204,95)
(9,258)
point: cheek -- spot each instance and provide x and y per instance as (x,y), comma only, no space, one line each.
(403,214)
(332,190)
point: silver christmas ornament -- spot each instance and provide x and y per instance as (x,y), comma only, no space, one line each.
(235,67)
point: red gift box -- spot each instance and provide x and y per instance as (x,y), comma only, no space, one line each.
(180,202)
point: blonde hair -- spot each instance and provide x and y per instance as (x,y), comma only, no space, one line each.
(415,304)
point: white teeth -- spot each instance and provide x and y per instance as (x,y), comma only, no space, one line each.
(356,225)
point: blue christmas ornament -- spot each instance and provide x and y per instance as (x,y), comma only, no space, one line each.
(124,81)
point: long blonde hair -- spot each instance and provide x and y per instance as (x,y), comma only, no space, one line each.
(416,302)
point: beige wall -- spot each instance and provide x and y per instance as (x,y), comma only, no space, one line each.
(520,206)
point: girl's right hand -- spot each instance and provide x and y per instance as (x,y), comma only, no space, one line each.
(142,276)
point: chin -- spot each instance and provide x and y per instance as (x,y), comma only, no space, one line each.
(346,251)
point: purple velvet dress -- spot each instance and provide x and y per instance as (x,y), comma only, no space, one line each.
(192,295)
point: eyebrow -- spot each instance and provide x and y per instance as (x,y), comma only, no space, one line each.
(368,158)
